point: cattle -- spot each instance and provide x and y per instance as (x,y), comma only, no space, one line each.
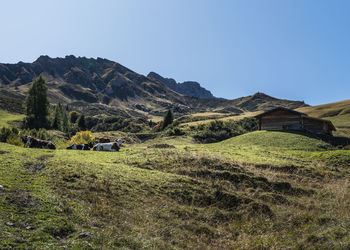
(111,146)
(104,140)
(87,146)
(119,142)
(30,142)
(158,126)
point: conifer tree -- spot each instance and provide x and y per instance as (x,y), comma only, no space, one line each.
(37,104)
(168,119)
(57,117)
(81,122)
(65,122)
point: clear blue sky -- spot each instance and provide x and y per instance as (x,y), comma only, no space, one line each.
(293,49)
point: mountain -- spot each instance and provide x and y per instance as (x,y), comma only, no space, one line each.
(101,86)
(189,88)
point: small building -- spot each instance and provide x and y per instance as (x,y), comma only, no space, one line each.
(288,119)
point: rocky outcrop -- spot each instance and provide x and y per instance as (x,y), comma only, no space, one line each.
(189,88)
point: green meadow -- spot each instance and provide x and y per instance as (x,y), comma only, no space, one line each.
(254,191)
(9,119)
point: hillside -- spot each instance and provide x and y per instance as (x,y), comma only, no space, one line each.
(101,86)
(280,140)
(223,195)
(337,112)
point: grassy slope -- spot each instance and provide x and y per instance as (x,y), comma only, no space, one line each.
(7,119)
(338,112)
(222,195)
(227,117)
(327,110)
(276,139)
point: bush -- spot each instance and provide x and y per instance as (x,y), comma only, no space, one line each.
(4,134)
(10,136)
(81,122)
(42,133)
(14,139)
(113,123)
(175,132)
(73,116)
(82,137)
(216,131)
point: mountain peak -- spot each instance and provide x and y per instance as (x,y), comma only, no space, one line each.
(189,88)
(97,86)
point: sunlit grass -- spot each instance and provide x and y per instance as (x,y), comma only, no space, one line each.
(6,118)
(232,194)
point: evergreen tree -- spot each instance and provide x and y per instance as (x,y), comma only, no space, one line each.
(73,116)
(65,122)
(57,117)
(168,119)
(37,104)
(81,122)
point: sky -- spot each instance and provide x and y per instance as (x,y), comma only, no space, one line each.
(289,49)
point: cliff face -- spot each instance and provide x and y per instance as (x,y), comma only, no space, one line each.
(189,88)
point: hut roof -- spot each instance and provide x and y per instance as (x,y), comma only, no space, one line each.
(280,109)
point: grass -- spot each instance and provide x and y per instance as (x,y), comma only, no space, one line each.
(278,139)
(327,110)
(340,121)
(231,194)
(8,119)
(207,119)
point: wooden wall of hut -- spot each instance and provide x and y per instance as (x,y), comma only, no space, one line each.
(315,126)
(280,120)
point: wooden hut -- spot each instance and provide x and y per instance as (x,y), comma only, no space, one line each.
(288,119)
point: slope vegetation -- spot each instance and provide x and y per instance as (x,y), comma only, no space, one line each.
(337,112)
(9,119)
(221,195)
(281,140)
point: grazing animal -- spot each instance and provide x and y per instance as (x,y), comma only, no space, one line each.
(119,142)
(158,126)
(111,146)
(104,140)
(30,142)
(87,146)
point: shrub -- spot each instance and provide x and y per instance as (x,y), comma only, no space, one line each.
(175,132)
(73,116)
(10,136)
(43,134)
(4,134)
(81,122)
(82,137)
(14,139)
(216,131)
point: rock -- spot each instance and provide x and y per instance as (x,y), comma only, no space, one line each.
(85,235)
(1,186)
(189,88)
(29,227)
(10,224)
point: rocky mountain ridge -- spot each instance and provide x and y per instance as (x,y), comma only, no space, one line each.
(189,88)
(101,86)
